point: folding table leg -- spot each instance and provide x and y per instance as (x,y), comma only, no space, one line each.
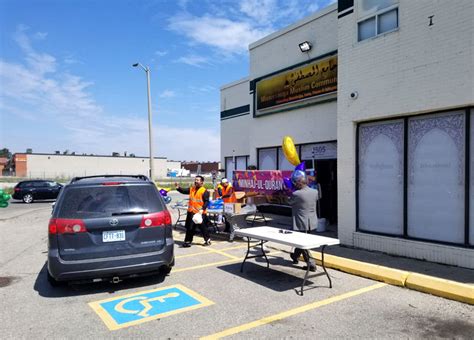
(246,255)
(263,252)
(324,267)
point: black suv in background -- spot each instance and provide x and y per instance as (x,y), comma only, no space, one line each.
(28,191)
(109,228)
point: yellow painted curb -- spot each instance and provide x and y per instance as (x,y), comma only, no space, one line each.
(384,274)
(440,287)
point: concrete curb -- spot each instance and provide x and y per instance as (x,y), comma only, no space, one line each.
(423,283)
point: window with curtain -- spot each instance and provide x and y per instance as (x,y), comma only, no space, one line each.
(283,163)
(267,159)
(229,167)
(436,180)
(241,162)
(381,177)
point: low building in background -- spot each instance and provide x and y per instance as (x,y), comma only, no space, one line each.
(41,165)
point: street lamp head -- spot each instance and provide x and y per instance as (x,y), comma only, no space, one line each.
(135,65)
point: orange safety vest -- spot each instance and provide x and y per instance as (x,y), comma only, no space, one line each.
(217,191)
(195,199)
(225,191)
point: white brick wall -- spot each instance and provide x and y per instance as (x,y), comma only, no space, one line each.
(280,49)
(416,69)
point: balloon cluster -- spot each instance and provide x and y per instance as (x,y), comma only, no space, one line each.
(4,198)
(217,204)
(291,155)
(164,194)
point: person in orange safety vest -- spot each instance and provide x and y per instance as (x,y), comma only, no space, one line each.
(228,196)
(198,202)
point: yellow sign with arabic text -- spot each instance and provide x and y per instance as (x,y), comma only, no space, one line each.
(314,79)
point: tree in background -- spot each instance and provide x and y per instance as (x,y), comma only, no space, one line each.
(5,153)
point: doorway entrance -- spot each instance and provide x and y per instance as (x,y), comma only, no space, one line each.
(326,177)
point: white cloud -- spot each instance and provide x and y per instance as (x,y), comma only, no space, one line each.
(33,90)
(225,35)
(203,88)
(263,10)
(40,35)
(167,94)
(161,53)
(229,27)
(193,60)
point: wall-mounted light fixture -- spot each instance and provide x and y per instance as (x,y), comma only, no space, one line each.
(305,46)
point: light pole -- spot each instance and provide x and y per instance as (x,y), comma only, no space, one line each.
(150,129)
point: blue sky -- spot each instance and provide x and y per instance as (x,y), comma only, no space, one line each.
(66,81)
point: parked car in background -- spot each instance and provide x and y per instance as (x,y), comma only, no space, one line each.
(29,191)
(109,228)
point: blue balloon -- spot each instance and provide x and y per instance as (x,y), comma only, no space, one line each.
(167,199)
(297,174)
(288,183)
(301,166)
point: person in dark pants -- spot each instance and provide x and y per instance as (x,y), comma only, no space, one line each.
(303,207)
(198,202)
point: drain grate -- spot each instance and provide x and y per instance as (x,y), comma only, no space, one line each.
(5,281)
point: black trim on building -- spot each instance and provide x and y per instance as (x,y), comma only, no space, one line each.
(357,177)
(405,177)
(342,5)
(467,175)
(345,13)
(236,111)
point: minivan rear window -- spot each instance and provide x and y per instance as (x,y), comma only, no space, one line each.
(105,201)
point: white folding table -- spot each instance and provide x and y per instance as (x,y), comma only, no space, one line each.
(290,238)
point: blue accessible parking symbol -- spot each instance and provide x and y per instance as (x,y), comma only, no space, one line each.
(132,309)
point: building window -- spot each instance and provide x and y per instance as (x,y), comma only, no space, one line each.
(283,163)
(381,177)
(241,162)
(411,178)
(436,177)
(376,17)
(229,167)
(267,159)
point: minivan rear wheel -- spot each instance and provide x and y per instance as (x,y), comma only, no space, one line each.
(28,198)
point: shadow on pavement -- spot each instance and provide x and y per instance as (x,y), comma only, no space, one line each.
(44,289)
(274,279)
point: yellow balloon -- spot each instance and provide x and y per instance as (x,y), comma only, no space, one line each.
(289,151)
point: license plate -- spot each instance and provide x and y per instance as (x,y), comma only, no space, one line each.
(113,236)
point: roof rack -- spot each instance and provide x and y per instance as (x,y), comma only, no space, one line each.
(142,177)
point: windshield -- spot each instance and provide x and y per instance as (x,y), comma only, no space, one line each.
(105,201)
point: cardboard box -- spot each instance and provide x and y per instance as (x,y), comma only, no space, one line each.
(240,196)
(232,208)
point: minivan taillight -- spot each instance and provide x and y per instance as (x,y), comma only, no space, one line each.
(160,219)
(17,189)
(66,226)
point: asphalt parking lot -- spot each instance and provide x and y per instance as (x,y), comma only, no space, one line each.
(259,303)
